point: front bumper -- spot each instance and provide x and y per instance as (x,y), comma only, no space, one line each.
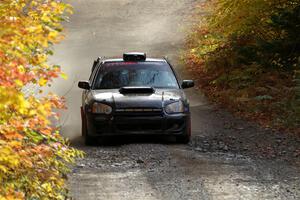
(101,125)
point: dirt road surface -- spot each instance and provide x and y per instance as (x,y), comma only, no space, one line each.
(146,168)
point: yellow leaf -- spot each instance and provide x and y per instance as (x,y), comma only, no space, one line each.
(52,35)
(19,83)
(21,68)
(42,82)
(64,76)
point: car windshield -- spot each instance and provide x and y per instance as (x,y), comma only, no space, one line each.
(115,75)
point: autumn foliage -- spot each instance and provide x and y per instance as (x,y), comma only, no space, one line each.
(34,158)
(247,57)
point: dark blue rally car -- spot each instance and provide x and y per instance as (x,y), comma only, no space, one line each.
(134,95)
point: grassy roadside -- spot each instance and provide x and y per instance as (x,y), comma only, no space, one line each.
(245,57)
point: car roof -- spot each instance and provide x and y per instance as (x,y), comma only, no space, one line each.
(121,60)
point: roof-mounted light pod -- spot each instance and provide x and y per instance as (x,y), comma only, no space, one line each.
(134,56)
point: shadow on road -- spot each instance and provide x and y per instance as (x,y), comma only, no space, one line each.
(125,140)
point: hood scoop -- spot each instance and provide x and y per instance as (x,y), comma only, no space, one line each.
(137,90)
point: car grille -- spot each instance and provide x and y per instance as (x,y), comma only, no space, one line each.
(139,112)
(138,119)
(140,127)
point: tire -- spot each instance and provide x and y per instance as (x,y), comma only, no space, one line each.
(183,139)
(90,141)
(83,129)
(83,124)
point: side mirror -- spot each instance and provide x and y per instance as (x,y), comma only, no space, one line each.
(84,85)
(187,84)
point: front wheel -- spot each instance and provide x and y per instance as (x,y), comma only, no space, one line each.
(83,123)
(89,140)
(183,139)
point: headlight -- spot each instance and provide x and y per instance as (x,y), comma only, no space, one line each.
(176,107)
(101,108)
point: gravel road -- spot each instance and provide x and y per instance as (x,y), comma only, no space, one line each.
(224,160)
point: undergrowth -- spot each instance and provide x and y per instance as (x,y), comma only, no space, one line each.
(246,56)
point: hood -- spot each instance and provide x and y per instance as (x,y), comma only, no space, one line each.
(153,100)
